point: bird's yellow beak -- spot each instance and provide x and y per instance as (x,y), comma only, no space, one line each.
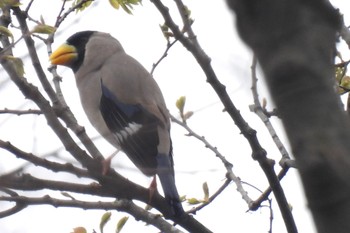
(64,55)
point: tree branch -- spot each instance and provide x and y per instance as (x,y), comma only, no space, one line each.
(229,172)
(53,166)
(258,153)
(120,205)
(20,112)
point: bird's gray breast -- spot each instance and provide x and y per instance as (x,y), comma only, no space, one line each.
(90,94)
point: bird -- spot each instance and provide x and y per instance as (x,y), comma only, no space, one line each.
(123,102)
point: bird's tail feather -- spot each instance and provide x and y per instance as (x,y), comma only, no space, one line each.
(167,179)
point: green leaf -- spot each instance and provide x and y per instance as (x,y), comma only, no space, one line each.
(114,3)
(134,2)
(344,85)
(43,29)
(126,5)
(104,219)
(9,3)
(83,6)
(180,104)
(127,8)
(193,201)
(339,73)
(165,30)
(187,11)
(17,64)
(121,223)
(6,32)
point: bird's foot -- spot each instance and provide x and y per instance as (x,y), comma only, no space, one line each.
(106,164)
(152,188)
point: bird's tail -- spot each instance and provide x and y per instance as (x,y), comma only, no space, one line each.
(165,173)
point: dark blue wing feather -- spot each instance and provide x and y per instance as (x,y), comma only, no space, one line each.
(140,146)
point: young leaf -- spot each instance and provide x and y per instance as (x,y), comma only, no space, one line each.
(6,32)
(180,104)
(344,85)
(9,3)
(165,30)
(83,6)
(43,29)
(193,201)
(206,191)
(121,223)
(339,73)
(114,3)
(127,8)
(126,5)
(17,64)
(134,2)
(104,219)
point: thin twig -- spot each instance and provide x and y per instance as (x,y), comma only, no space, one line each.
(211,198)
(258,109)
(29,6)
(229,173)
(38,161)
(21,112)
(165,54)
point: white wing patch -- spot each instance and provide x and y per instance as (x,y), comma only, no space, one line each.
(129,130)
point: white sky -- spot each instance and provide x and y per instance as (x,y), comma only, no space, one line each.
(178,75)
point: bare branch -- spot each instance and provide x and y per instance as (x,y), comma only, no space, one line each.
(29,6)
(61,17)
(53,166)
(258,109)
(230,174)
(18,207)
(165,54)
(121,205)
(20,112)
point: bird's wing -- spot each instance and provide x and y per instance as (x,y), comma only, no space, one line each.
(135,130)
(138,133)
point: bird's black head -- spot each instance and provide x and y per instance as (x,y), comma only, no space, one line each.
(79,41)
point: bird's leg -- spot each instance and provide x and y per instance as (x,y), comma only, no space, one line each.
(106,164)
(152,188)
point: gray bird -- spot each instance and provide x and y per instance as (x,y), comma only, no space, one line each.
(124,104)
